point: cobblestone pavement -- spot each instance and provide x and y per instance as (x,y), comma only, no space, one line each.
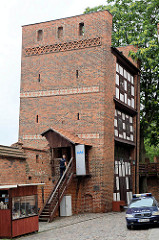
(103,226)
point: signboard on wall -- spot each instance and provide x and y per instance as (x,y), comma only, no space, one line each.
(80,160)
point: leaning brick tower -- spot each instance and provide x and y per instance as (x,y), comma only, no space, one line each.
(68,82)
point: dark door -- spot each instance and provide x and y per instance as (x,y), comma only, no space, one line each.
(122,174)
(122,185)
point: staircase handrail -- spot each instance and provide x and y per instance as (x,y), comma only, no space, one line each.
(56,201)
(55,187)
(59,182)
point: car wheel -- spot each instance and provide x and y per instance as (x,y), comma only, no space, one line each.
(129,227)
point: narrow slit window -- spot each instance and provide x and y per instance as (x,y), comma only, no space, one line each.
(40,35)
(39,78)
(60,32)
(77,74)
(78,116)
(81,29)
(37,118)
(37,158)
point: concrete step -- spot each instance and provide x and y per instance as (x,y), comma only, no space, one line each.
(43,219)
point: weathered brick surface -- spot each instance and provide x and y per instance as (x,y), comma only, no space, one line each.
(125,51)
(12,171)
(16,171)
(39,171)
(153,186)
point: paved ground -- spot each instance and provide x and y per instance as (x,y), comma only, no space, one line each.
(105,226)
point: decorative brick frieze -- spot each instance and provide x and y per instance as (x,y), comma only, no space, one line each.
(32,137)
(57,92)
(83,135)
(62,47)
(88,135)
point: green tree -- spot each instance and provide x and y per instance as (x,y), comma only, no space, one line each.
(135,22)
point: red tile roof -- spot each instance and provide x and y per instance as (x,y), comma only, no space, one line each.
(67,135)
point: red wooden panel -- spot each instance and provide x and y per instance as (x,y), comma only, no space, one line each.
(5,223)
(24,191)
(25,225)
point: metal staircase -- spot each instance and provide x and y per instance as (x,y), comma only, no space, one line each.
(52,204)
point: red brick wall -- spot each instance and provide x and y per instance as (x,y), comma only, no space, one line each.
(39,171)
(153,186)
(125,50)
(16,171)
(12,171)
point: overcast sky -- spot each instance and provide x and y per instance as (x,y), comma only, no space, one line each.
(14,14)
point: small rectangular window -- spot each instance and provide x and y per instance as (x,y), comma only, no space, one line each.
(81,29)
(39,78)
(37,158)
(76,73)
(40,35)
(37,118)
(78,116)
(60,32)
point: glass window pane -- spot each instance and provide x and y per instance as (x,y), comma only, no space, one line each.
(31,205)
(117,92)
(132,79)
(125,74)
(117,67)
(129,89)
(117,79)
(15,208)
(121,84)
(4,199)
(132,90)
(125,85)
(121,97)
(121,70)
(125,98)
(128,76)
(22,206)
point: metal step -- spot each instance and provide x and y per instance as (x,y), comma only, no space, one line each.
(45,214)
(45,211)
